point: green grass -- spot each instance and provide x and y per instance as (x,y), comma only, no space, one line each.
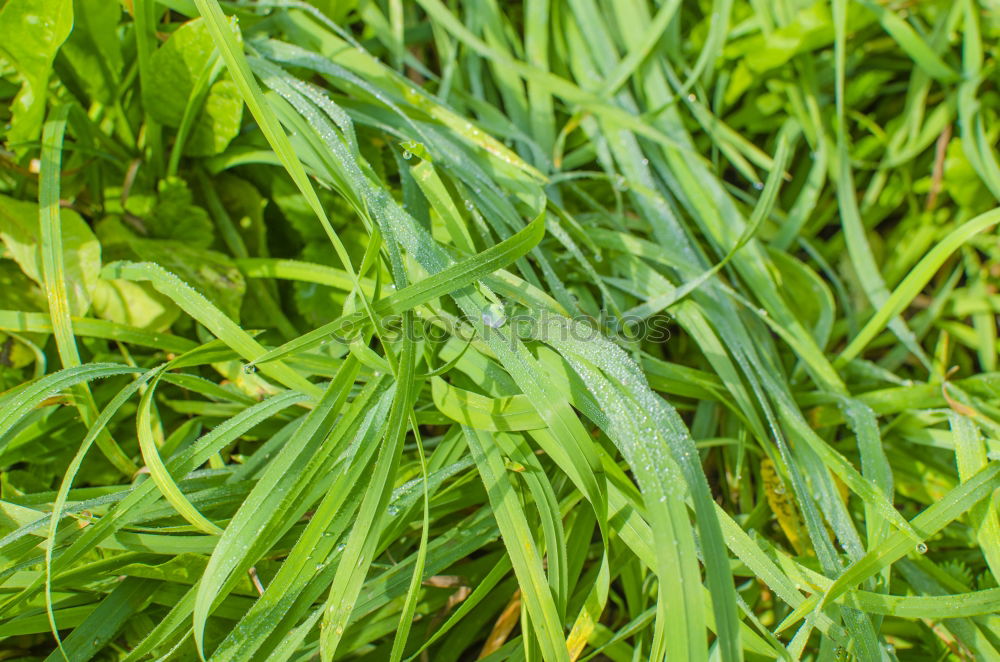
(548,330)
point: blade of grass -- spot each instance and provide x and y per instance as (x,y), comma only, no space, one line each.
(54,275)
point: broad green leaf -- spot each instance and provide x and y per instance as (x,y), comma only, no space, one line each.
(93,50)
(19,231)
(175,67)
(133,304)
(19,292)
(33,31)
(175,217)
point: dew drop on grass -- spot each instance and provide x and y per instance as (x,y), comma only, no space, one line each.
(406,154)
(392,510)
(494,316)
(341,547)
(469,205)
(758,185)
(249,369)
(921,548)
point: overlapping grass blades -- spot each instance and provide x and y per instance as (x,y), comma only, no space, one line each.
(465,456)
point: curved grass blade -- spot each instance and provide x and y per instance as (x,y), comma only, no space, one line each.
(919,276)
(957,502)
(159,473)
(201,309)
(446,281)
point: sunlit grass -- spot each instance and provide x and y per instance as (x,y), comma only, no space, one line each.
(509,331)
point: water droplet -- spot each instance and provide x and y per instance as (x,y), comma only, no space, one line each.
(406,154)
(249,369)
(341,547)
(692,97)
(921,548)
(494,316)
(392,510)
(469,205)
(759,185)
(621,184)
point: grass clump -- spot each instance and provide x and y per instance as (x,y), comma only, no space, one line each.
(513,331)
